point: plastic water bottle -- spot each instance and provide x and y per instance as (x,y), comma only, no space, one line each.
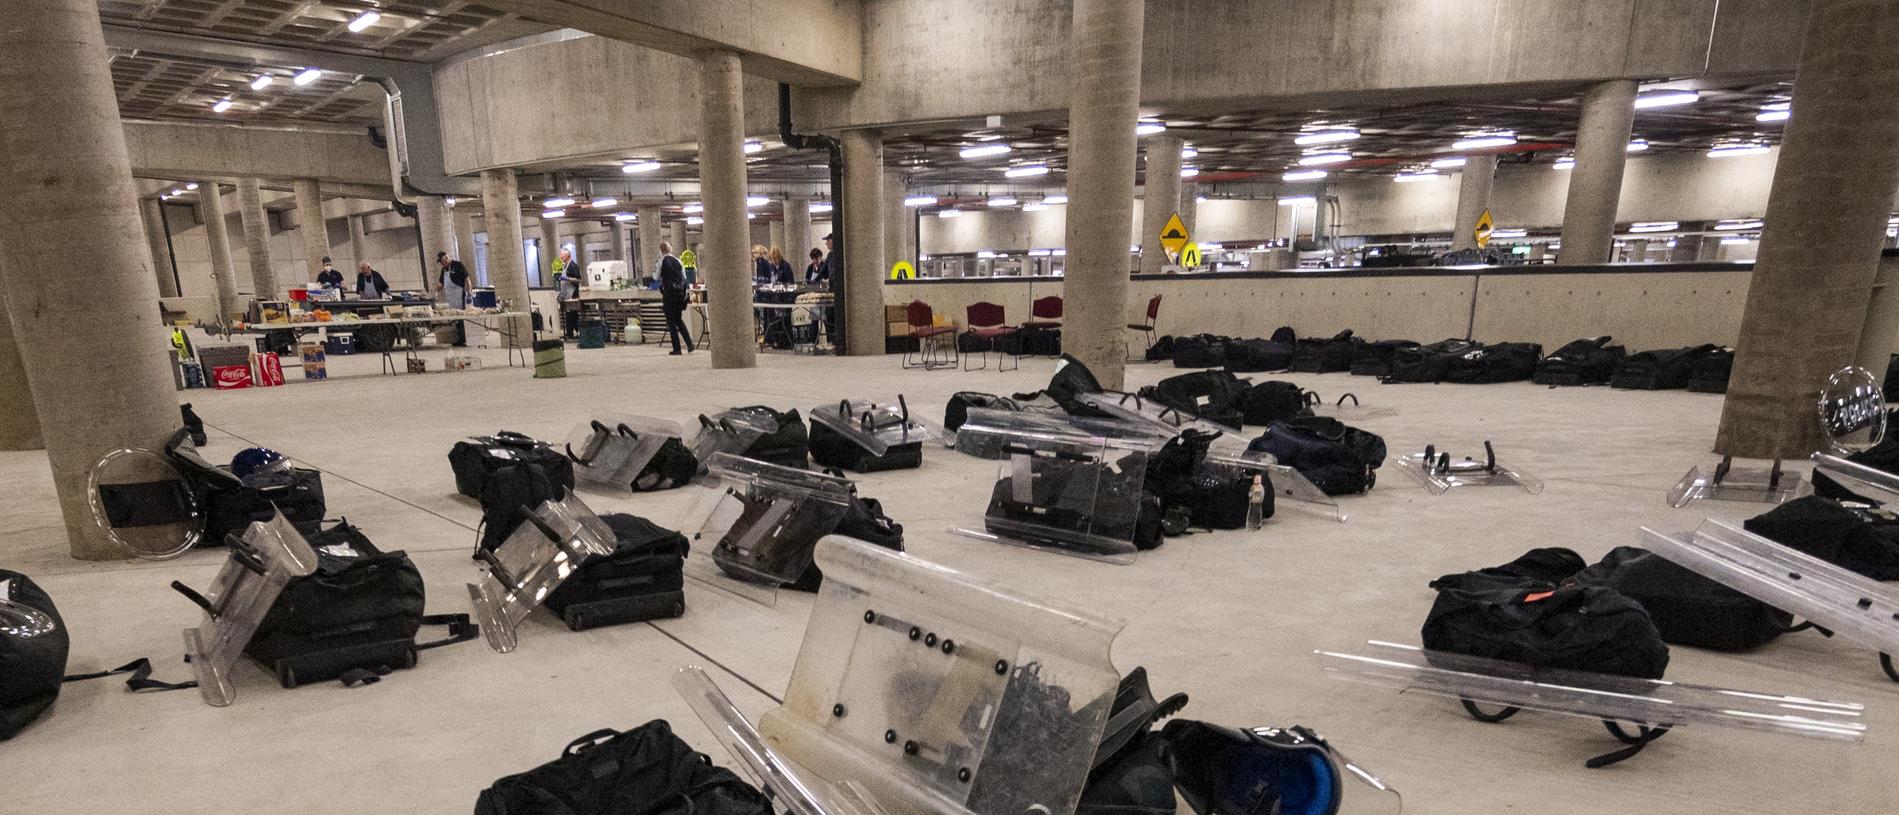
(1256,503)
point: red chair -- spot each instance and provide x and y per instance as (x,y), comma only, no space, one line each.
(1147,328)
(1042,335)
(935,344)
(987,329)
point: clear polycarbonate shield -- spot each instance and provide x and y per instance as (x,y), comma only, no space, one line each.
(145,503)
(940,692)
(1650,702)
(1070,493)
(1866,482)
(1844,602)
(1132,408)
(768,519)
(1287,483)
(610,451)
(729,431)
(1770,485)
(979,435)
(1353,412)
(872,426)
(259,563)
(541,553)
(19,620)
(1852,410)
(1439,472)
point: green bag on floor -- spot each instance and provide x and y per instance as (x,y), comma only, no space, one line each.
(550,359)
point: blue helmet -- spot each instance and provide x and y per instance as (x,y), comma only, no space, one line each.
(256,461)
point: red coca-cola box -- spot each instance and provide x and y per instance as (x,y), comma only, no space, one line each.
(231,377)
(270,371)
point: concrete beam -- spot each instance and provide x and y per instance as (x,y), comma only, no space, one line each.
(803,42)
(223,151)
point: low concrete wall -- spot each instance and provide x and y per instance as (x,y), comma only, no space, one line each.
(1643,306)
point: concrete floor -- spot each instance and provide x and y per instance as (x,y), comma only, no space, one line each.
(1231,618)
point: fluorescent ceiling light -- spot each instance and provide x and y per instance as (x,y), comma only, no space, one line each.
(1637,146)
(1204,246)
(950,213)
(1149,128)
(756,200)
(1564,163)
(985,254)
(1655,226)
(695,221)
(1735,241)
(1059,252)
(625,216)
(1199,199)
(364,20)
(1303,175)
(553,213)
(1730,226)
(1732,150)
(1325,137)
(221,106)
(1055,199)
(603,203)
(306,76)
(750,215)
(1666,99)
(1038,253)
(693,207)
(985,150)
(1478,141)
(639,167)
(1421,175)
(754,147)
(557,203)
(1447,163)
(1188,152)
(1298,201)
(1322,159)
(1773,115)
(1026,170)
(191,186)
(919,201)
(1189,172)
(175,193)
(1509,233)
(1002,201)
(821,207)
(262,81)
(1034,207)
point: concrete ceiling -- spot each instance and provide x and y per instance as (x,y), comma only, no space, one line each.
(174,87)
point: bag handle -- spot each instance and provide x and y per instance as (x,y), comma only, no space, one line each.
(1642,737)
(460,629)
(589,741)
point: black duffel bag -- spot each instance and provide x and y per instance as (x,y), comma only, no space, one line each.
(1428,363)
(1490,364)
(864,519)
(1162,350)
(787,445)
(1664,369)
(957,411)
(1851,539)
(1688,609)
(1255,356)
(1200,351)
(1274,401)
(1337,458)
(509,493)
(1324,356)
(475,460)
(643,579)
(1883,456)
(1534,612)
(1215,396)
(33,647)
(1710,371)
(832,449)
(360,609)
(1374,358)
(230,505)
(672,465)
(1582,362)
(643,771)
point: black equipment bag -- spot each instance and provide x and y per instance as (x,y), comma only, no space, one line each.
(1200,351)
(1162,349)
(1688,609)
(1501,362)
(475,460)
(864,520)
(1254,356)
(830,448)
(787,446)
(642,580)
(1428,363)
(1324,356)
(1665,369)
(1582,362)
(1851,539)
(1710,371)
(30,666)
(1195,492)
(643,771)
(957,411)
(1066,498)
(1374,358)
(1273,401)
(511,491)
(1889,384)
(1072,379)
(360,609)
(1133,771)
(229,505)
(1534,611)
(1337,458)
(1215,396)
(1883,456)
(672,465)
(1284,334)
(1039,341)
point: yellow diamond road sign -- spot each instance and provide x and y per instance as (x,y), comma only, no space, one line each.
(1485,225)
(1173,236)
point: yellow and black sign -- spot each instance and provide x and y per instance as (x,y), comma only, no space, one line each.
(689,259)
(1173,236)
(1190,256)
(1485,226)
(902,270)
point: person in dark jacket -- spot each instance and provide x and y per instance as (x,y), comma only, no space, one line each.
(780,268)
(761,267)
(454,289)
(369,283)
(672,295)
(815,273)
(833,265)
(329,278)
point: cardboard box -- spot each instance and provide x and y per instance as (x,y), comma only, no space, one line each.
(231,377)
(270,371)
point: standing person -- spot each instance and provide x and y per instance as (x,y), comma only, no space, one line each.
(567,292)
(369,283)
(453,289)
(815,273)
(833,265)
(761,268)
(672,295)
(330,278)
(780,268)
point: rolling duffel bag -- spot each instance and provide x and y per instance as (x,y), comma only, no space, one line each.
(1851,539)
(1335,457)
(1665,369)
(830,448)
(475,460)
(359,611)
(1582,362)
(1255,356)
(1215,396)
(1499,362)
(1688,609)
(788,445)
(643,771)
(1710,371)
(1533,611)
(1200,351)
(1374,358)
(1427,363)
(1273,401)
(33,648)
(642,580)
(1324,356)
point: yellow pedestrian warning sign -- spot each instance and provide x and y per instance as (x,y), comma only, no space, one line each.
(1190,256)
(1485,225)
(689,259)
(902,270)
(1173,236)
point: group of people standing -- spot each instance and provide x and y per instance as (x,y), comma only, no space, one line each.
(768,267)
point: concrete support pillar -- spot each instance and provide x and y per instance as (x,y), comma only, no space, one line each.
(438,235)
(549,248)
(465,236)
(312,230)
(19,420)
(507,263)
(1190,208)
(617,230)
(863,234)
(900,228)
(152,213)
(1473,197)
(1160,197)
(648,258)
(725,256)
(256,223)
(1826,221)
(1879,338)
(76,232)
(775,232)
(798,233)
(1595,183)
(358,243)
(218,235)
(1638,250)
(1105,54)
(679,237)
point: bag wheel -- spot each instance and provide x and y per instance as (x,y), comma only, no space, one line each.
(286,676)
(679,610)
(1885,664)
(576,621)
(1489,718)
(409,658)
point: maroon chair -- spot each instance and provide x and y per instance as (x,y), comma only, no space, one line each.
(1047,312)
(1147,328)
(987,332)
(935,344)
(1042,334)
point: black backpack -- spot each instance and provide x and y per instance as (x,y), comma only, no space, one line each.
(1710,371)
(1215,396)
(642,579)
(1323,356)
(1195,492)
(1665,369)
(1254,356)
(672,465)
(1374,358)
(864,519)
(957,411)
(1200,351)
(1688,609)
(1337,458)
(1583,362)
(1501,362)
(789,445)
(1851,539)
(475,460)
(1428,363)
(509,493)
(646,770)
(1273,401)
(360,609)
(32,659)
(1534,611)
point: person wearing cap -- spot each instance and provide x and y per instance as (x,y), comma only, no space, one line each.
(329,278)
(453,289)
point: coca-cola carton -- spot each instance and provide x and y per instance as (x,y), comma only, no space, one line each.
(231,377)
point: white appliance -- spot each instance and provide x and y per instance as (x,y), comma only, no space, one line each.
(601,274)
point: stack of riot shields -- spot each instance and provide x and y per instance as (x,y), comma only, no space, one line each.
(261,561)
(1440,473)
(1063,489)
(611,451)
(541,553)
(768,519)
(862,435)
